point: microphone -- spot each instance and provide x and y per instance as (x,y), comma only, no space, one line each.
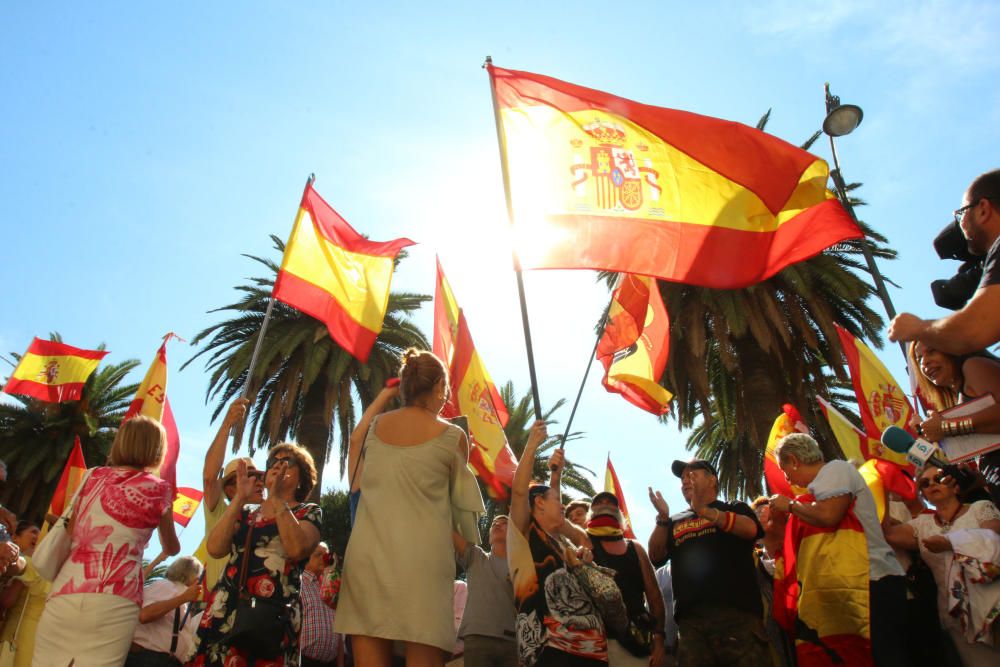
(918,451)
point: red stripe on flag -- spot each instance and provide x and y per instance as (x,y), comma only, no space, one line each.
(708,255)
(336,230)
(168,469)
(48,348)
(312,300)
(52,393)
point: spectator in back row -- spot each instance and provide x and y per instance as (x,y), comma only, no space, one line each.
(977,325)
(319,644)
(576,513)
(165,635)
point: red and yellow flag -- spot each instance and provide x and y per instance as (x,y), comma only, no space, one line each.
(186,504)
(635,345)
(612,485)
(446,314)
(72,474)
(821,591)
(881,400)
(602,182)
(151,401)
(789,421)
(475,396)
(334,274)
(53,372)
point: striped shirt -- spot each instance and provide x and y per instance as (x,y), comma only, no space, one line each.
(317,639)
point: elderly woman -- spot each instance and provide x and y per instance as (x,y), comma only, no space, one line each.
(945,380)
(415,486)
(932,533)
(557,624)
(94,605)
(837,488)
(164,614)
(254,613)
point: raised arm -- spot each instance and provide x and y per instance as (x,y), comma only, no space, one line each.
(658,549)
(520,512)
(216,454)
(360,431)
(220,539)
(299,538)
(654,600)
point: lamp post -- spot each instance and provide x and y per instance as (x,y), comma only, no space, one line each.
(841,120)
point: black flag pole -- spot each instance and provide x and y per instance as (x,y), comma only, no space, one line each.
(502,143)
(583,382)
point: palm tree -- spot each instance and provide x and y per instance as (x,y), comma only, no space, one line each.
(737,355)
(303,380)
(36,437)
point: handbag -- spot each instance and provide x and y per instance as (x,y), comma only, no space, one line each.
(638,636)
(53,549)
(599,584)
(260,623)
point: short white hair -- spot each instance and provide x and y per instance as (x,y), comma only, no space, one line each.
(184,570)
(801,446)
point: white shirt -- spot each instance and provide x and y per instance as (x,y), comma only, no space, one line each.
(156,635)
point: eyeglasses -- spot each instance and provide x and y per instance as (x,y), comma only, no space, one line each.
(252,474)
(927,481)
(288,460)
(960,212)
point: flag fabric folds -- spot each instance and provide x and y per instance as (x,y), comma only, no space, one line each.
(881,399)
(602,182)
(473,393)
(151,401)
(635,345)
(821,591)
(53,372)
(186,504)
(72,474)
(612,485)
(337,276)
(789,421)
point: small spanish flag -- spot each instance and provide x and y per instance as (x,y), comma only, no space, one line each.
(186,504)
(612,485)
(334,274)
(73,472)
(635,345)
(789,421)
(53,372)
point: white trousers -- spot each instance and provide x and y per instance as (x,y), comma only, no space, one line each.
(90,629)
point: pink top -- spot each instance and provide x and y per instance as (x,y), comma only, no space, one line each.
(117,511)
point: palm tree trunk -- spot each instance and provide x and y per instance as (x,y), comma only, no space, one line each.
(763,398)
(313,433)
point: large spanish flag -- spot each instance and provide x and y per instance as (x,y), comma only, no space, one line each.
(635,345)
(789,421)
(475,396)
(602,182)
(53,372)
(186,504)
(151,401)
(612,485)
(334,274)
(881,400)
(821,591)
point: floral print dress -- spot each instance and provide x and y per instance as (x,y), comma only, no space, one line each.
(270,574)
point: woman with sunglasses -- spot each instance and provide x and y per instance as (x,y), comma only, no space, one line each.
(268,546)
(930,534)
(945,380)
(399,568)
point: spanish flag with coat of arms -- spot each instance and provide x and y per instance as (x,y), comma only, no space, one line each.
(53,372)
(333,273)
(602,182)
(151,401)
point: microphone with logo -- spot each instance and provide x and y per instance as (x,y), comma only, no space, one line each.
(920,452)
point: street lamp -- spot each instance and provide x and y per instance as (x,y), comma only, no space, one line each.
(841,120)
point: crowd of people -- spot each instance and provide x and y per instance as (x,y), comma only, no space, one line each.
(819,578)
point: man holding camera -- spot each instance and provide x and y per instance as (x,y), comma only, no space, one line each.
(977,325)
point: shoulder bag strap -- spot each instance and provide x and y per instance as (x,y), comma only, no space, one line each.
(361,455)
(246,556)
(177,623)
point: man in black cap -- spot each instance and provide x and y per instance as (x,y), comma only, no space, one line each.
(710,545)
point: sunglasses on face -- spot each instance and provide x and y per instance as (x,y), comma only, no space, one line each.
(288,460)
(927,481)
(252,474)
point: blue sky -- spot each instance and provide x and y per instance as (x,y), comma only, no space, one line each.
(144,149)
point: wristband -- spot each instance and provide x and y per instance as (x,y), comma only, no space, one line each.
(730,522)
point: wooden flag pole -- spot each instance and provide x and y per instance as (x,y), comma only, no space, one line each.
(501,142)
(263,329)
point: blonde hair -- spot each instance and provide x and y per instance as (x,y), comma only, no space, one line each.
(940,398)
(307,467)
(140,443)
(420,372)
(801,446)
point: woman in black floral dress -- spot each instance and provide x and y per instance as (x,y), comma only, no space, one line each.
(284,531)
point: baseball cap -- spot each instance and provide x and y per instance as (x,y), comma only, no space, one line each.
(678,467)
(606,495)
(230,472)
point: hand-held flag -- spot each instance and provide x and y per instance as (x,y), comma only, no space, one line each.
(53,372)
(151,401)
(186,504)
(612,485)
(602,182)
(635,344)
(789,421)
(73,472)
(336,275)
(881,400)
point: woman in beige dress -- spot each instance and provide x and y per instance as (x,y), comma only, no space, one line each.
(415,487)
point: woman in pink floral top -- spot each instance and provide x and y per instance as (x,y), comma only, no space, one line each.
(94,605)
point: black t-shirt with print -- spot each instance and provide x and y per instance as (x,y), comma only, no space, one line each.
(711,567)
